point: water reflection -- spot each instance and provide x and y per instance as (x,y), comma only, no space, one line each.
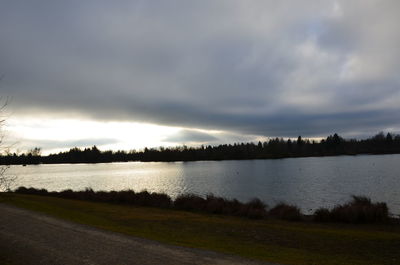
(307,182)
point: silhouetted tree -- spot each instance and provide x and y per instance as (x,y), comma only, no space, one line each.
(35,151)
(299,141)
(273,148)
(5,179)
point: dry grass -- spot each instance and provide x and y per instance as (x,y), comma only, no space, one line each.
(270,240)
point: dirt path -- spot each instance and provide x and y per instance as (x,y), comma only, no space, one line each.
(33,238)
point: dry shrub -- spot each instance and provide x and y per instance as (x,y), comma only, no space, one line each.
(286,212)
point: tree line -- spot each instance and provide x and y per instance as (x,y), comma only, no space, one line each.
(274,148)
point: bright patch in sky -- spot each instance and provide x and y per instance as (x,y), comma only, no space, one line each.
(54,135)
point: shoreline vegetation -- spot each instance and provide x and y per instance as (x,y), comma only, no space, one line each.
(275,148)
(359,210)
(270,239)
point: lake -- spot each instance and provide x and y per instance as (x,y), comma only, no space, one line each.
(309,182)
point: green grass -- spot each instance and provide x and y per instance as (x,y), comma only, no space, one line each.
(269,240)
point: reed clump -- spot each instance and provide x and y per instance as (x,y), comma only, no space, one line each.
(255,208)
(286,212)
(359,209)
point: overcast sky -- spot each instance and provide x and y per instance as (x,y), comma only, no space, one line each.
(192,72)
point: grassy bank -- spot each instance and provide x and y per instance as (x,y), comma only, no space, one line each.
(271,240)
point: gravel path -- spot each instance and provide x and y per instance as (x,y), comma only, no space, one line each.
(33,238)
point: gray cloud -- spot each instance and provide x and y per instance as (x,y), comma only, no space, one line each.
(256,67)
(191,137)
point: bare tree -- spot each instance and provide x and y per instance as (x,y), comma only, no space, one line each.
(6,180)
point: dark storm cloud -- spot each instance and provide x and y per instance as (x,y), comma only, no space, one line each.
(276,68)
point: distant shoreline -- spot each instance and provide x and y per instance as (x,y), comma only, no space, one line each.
(202,160)
(277,148)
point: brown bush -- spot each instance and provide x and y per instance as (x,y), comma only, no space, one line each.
(286,212)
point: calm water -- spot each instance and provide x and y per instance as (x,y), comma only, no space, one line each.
(307,182)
